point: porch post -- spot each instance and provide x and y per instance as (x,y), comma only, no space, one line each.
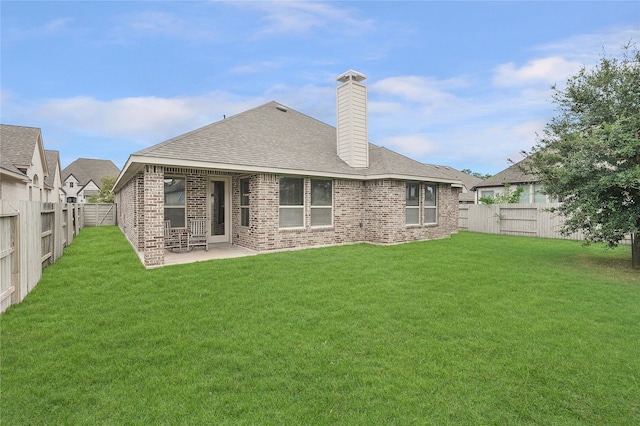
(153,215)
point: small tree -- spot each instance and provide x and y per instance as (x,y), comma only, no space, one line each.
(476,174)
(105,195)
(589,155)
(507,197)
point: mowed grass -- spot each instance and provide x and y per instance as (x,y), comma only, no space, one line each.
(474,329)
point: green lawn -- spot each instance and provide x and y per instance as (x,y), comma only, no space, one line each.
(474,329)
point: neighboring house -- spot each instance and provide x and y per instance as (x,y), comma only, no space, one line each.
(273,178)
(53,181)
(83,178)
(467,196)
(23,165)
(515,176)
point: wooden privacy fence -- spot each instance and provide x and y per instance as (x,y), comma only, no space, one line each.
(99,214)
(33,235)
(531,220)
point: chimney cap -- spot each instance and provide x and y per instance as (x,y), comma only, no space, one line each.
(351,75)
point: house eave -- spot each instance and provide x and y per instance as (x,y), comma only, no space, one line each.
(14,176)
(136,163)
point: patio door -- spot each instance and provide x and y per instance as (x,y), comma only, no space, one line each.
(219,210)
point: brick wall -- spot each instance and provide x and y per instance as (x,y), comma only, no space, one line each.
(381,221)
(130,201)
(153,215)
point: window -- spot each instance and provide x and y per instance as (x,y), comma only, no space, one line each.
(321,202)
(488,194)
(430,204)
(244,202)
(413,203)
(524,196)
(174,201)
(538,195)
(291,202)
(70,184)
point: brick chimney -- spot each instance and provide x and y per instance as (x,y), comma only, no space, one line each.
(351,109)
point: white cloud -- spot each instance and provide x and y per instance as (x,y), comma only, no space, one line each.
(144,120)
(544,70)
(50,28)
(163,24)
(414,146)
(256,67)
(418,89)
(301,17)
(587,48)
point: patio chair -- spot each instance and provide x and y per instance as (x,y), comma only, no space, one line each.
(198,234)
(170,242)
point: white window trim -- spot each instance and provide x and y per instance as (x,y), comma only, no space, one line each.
(424,187)
(183,207)
(245,206)
(407,207)
(302,207)
(312,207)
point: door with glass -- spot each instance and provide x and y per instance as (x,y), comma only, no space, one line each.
(219,209)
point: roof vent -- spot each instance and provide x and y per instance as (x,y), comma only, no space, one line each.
(281,108)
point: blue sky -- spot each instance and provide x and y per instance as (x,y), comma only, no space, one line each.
(464,84)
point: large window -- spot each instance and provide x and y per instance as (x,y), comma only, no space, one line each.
(539,196)
(524,196)
(244,202)
(321,202)
(291,202)
(413,203)
(430,204)
(174,201)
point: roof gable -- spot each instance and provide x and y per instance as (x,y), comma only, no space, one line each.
(53,165)
(85,170)
(19,146)
(517,173)
(275,138)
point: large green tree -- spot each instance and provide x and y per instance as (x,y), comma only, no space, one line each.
(589,154)
(105,195)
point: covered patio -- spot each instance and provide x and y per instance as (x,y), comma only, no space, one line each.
(216,251)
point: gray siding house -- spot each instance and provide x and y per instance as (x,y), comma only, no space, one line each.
(514,176)
(273,178)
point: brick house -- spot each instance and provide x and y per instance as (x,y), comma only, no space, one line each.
(273,178)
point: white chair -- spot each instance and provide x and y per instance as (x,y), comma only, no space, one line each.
(198,234)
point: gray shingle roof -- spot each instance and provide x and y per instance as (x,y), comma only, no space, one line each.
(276,137)
(467,180)
(17,144)
(53,160)
(517,173)
(89,169)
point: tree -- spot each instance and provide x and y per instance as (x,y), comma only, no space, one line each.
(105,195)
(476,174)
(507,197)
(589,154)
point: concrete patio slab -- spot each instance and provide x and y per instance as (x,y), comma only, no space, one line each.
(216,251)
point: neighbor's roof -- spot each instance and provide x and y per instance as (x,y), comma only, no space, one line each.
(276,139)
(517,173)
(89,169)
(467,180)
(17,145)
(53,161)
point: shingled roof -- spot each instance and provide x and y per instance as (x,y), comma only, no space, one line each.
(89,169)
(467,180)
(53,159)
(275,138)
(515,174)
(17,146)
